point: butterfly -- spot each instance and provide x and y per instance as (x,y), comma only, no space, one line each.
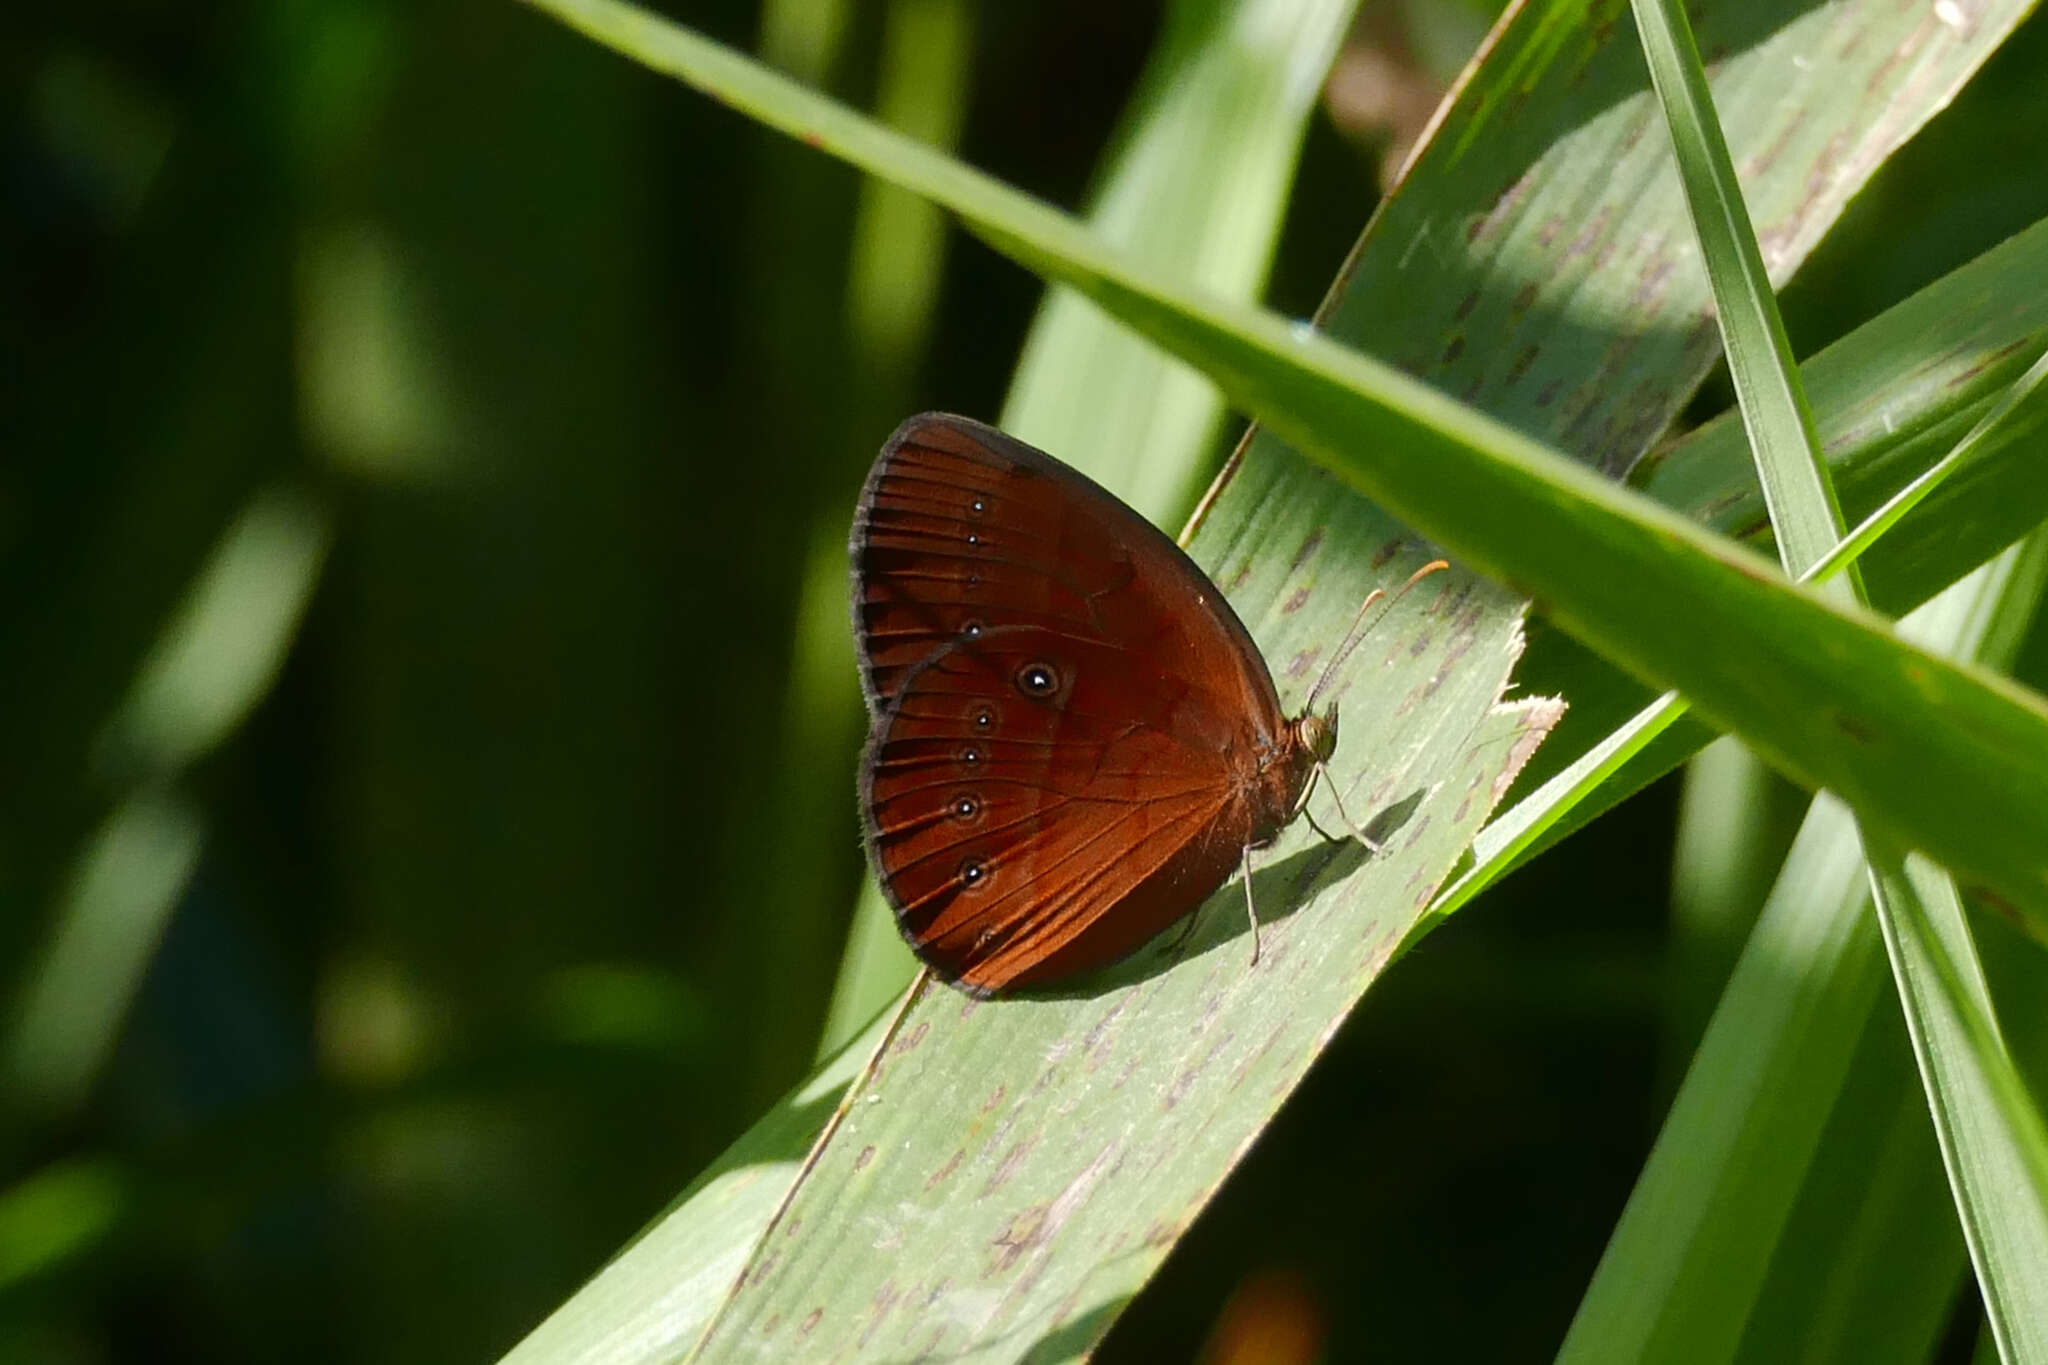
(1074,738)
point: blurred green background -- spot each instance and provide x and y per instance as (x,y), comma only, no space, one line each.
(426,766)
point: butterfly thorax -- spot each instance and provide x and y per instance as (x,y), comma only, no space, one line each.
(1284,771)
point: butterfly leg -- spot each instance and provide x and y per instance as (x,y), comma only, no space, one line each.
(1315,825)
(1251,911)
(1372,844)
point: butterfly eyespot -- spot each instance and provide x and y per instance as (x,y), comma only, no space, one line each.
(973,539)
(973,873)
(1038,680)
(979,506)
(970,629)
(974,580)
(971,754)
(985,718)
(966,807)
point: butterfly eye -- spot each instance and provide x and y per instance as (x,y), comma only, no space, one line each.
(1037,680)
(966,807)
(973,873)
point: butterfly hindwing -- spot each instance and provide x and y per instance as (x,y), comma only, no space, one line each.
(1007,826)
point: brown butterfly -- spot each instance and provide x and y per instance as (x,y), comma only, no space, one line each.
(1075,740)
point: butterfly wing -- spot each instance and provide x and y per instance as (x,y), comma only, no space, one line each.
(1068,720)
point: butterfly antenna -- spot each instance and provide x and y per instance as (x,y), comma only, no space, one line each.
(1356,635)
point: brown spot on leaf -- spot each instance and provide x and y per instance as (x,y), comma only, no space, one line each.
(1027,1231)
(1591,236)
(1011,1162)
(811,1322)
(1307,550)
(1296,600)
(938,1177)
(1100,1029)
(867,1154)
(885,1299)
(1162,1232)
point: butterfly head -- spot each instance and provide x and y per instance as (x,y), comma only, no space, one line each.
(1316,733)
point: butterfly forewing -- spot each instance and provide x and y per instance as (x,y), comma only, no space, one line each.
(1065,712)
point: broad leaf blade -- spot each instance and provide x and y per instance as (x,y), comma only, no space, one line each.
(1016,1169)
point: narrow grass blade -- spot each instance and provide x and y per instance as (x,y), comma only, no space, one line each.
(1992,1138)
(1892,400)
(1947,1008)
(1797,493)
(1685,1266)
(1609,771)
(899,258)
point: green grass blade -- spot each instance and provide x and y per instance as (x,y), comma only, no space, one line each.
(1992,1138)
(1685,1266)
(1991,1134)
(1197,184)
(216,658)
(1774,411)
(899,255)
(1891,399)
(655,1298)
(1870,1262)
(1682,1268)
(1628,757)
